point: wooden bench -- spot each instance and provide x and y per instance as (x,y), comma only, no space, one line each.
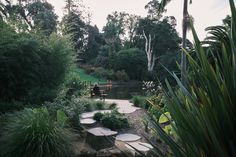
(102,96)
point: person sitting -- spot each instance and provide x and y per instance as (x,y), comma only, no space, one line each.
(95,91)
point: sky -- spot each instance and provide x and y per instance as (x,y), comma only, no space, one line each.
(205,12)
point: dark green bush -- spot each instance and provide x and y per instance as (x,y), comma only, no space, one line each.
(114,121)
(121,75)
(35,133)
(32,68)
(98,116)
(100,105)
(133,62)
(139,101)
(99,72)
(10,106)
(88,69)
(112,106)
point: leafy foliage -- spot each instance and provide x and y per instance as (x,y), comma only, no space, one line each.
(29,15)
(32,68)
(98,116)
(114,120)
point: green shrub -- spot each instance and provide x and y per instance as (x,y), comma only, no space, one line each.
(112,106)
(98,116)
(87,68)
(100,72)
(121,75)
(32,132)
(32,68)
(87,103)
(139,101)
(157,105)
(100,105)
(114,121)
(72,107)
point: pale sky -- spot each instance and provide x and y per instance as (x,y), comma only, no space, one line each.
(205,12)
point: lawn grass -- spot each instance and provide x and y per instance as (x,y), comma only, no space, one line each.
(88,78)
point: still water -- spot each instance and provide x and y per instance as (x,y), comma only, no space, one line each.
(123,90)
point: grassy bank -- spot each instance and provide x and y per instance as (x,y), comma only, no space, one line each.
(88,78)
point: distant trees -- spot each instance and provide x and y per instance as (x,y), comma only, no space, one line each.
(87,39)
(114,30)
(43,17)
(30,15)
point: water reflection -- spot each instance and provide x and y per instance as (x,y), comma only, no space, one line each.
(122,90)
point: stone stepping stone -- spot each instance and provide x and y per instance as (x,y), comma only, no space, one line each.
(101,131)
(140,146)
(87,121)
(87,115)
(127,137)
(124,106)
(100,138)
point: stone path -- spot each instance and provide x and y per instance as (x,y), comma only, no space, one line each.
(124,141)
(124,106)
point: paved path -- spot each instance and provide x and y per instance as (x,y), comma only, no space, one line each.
(124,106)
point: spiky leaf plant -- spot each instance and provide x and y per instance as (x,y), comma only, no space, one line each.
(204,110)
(32,132)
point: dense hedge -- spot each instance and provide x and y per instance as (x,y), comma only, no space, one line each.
(32,67)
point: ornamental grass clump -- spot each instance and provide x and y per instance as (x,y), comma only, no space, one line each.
(203,111)
(32,132)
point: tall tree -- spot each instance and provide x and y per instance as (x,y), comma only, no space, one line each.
(186,18)
(131,23)
(43,17)
(115,29)
(94,41)
(73,6)
(74,26)
(159,37)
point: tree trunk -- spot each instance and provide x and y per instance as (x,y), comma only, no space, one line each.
(19,1)
(183,56)
(149,52)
